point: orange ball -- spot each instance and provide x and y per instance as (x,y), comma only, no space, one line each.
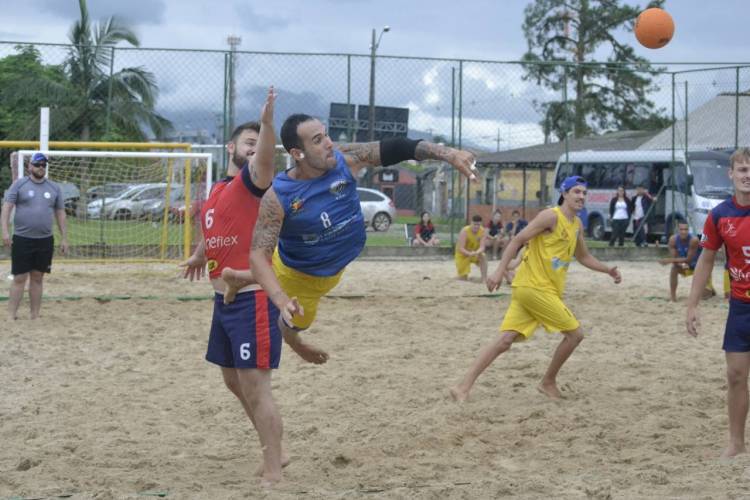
(654,28)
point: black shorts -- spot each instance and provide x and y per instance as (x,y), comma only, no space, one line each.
(31,254)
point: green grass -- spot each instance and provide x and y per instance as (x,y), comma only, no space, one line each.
(125,232)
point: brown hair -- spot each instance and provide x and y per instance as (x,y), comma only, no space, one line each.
(742,154)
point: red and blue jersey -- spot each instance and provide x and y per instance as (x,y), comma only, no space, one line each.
(728,224)
(228,220)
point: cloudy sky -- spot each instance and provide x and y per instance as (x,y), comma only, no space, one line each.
(496,99)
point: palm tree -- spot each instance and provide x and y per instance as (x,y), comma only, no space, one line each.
(130,92)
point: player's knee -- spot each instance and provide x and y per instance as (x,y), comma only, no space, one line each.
(233,385)
(505,342)
(574,336)
(736,378)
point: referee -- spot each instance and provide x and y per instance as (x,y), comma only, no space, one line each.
(37,201)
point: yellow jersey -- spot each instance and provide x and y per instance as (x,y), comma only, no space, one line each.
(545,263)
(472,240)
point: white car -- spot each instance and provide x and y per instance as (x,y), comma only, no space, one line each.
(129,204)
(377,208)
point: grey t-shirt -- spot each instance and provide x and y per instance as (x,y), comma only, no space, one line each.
(35,206)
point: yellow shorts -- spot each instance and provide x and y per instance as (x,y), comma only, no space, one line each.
(709,285)
(463,263)
(530,308)
(307,288)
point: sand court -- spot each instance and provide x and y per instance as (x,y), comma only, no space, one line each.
(108,395)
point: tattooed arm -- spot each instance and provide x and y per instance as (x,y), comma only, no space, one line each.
(370,154)
(265,238)
(359,155)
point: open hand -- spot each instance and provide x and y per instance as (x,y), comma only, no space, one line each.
(266,114)
(195,268)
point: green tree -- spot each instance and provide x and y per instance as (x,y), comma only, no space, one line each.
(607,96)
(130,92)
(19,107)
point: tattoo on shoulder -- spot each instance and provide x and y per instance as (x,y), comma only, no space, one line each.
(362,153)
(268,226)
(431,151)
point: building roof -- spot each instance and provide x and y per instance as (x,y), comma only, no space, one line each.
(546,155)
(710,126)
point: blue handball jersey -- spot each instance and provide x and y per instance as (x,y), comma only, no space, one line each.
(323,228)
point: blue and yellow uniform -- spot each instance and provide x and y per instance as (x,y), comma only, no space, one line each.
(683,248)
(540,281)
(322,232)
(473,240)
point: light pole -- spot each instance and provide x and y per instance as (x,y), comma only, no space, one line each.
(373,51)
(234,41)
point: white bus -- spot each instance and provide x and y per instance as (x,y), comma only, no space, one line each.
(702,174)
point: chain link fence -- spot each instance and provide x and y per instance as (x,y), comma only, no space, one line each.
(492,108)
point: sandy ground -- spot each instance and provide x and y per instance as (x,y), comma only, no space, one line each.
(110,398)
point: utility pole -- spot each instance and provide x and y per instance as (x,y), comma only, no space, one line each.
(373,54)
(234,41)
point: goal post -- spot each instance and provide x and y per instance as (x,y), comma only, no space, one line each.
(135,205)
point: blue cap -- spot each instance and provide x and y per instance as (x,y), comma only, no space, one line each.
(572,181)
(38,158)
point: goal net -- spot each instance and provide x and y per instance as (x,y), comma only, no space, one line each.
(128,205)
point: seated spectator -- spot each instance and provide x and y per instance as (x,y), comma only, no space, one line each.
(496,234)
(424,233)
(515,226)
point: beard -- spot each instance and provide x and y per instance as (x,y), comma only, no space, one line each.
(37,175)
(239,161)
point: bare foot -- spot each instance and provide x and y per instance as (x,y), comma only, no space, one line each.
(268,481)
(733,450)
(549,390)
(284,462)
(459,395)
(235,280)
(309,353)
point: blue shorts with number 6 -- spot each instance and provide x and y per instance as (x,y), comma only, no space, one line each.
(245,333)
(737,332)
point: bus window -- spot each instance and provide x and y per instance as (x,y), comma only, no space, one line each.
(639,174)
(592,174)
(613,176)
(565,170)
(680,175)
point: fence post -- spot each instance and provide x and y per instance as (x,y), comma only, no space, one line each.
(453,145)
(565,110)
(671,165)
(226,130)
(349,137)
(460,124)
(109,89)
(737,108)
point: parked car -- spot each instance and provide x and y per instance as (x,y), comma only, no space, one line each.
(154,209)
(177,209)
(71,196)
(377,208)
(111,189)
(129,204)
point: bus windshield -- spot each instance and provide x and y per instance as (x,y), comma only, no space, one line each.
(710,179)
